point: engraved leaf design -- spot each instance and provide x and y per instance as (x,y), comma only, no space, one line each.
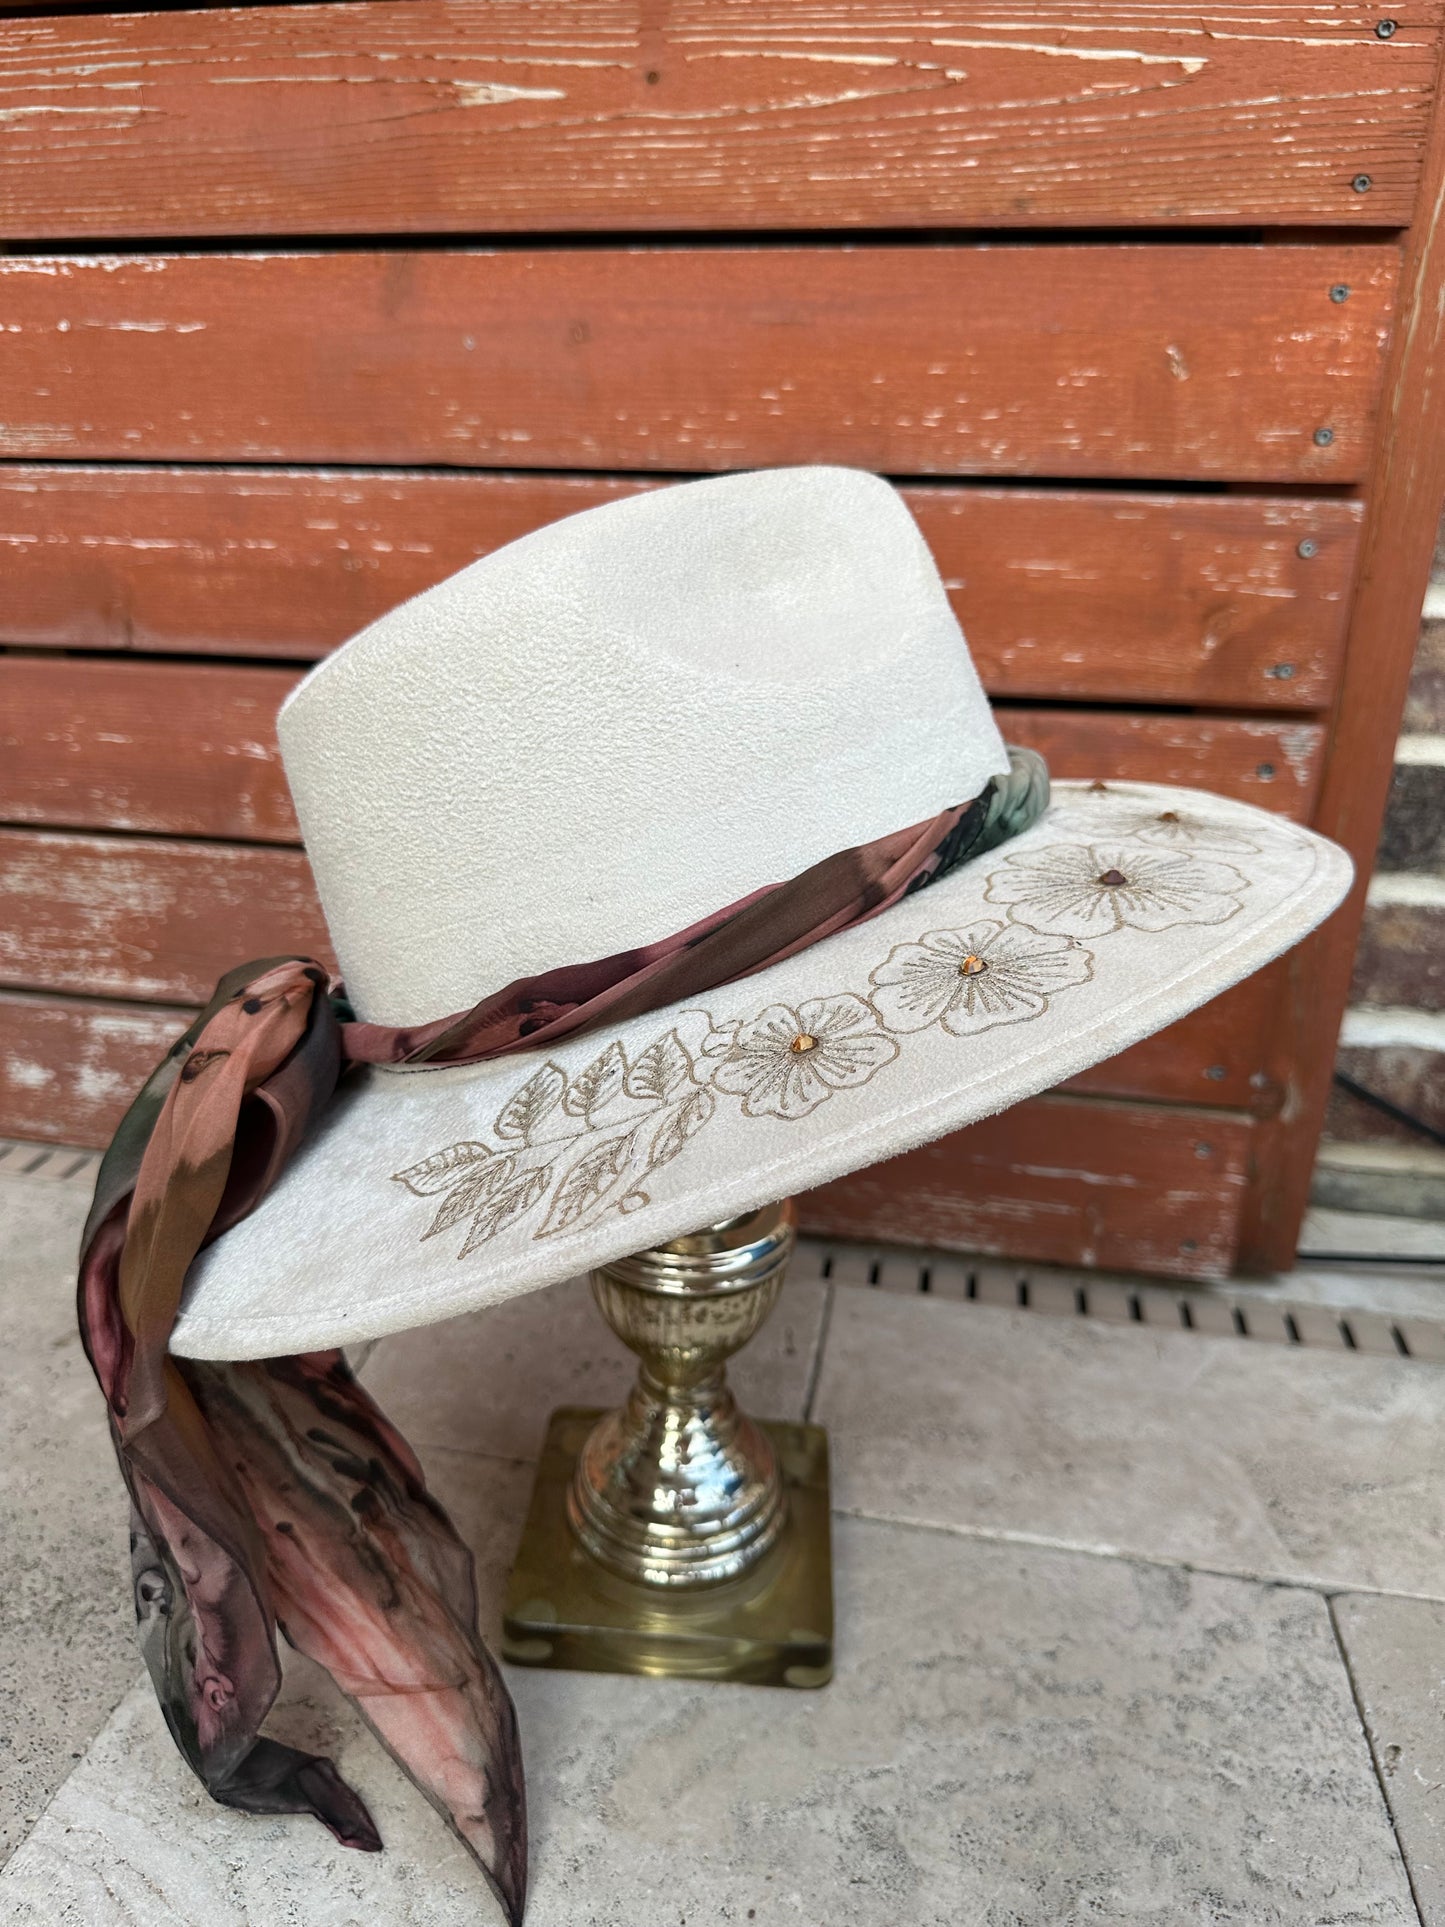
(441,1170)
(661,1071)
(470,1193)
(525,1109)
(503,1206)
(681,1123)
(598,1084)
(719,1039)
(590,1181)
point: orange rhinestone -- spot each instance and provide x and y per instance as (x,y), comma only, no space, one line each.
(803,1041)
(971,966)
(1168,816)
(1113,879)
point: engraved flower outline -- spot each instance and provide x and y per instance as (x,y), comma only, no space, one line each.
(1171,828)
(972,980)
(785,1062)
(1183,830)
(1092,889)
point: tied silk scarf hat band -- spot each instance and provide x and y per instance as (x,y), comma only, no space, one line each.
(273,1493)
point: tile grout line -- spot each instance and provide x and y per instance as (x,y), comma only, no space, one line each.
(142,1678)
(1324,1589)
(1359,1706)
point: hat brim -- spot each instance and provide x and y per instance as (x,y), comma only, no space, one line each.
(424,1194)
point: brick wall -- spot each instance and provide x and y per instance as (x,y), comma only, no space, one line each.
(1393,1039)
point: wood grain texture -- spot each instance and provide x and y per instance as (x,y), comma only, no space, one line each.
(1274,764)
(463,116)
(153,919)
(69,1066)
(1159,598)
(1404,496)
(69,1069)
(1060,1180)
(1109,361)
(1221,1054)
(190,750)
(177,748)
(1120,596)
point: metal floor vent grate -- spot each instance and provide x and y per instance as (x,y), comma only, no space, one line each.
(54,1163)
(1218,1312)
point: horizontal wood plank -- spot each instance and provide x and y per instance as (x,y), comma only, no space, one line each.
(1232,601)
(190,750)
(1129,1187)
(1218,1055)
(179,749)
(70,1065)
(1274,764)
(492,115)
(69,1068)
(153,919)
(1124,596)
(1152,362)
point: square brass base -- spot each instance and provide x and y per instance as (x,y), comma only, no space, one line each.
(773,1627)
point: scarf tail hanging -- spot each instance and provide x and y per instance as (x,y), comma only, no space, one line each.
(278,1494)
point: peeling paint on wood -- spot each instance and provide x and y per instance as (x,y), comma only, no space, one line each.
(1276,765)
(69,1068)
(165,918)
(1403,503)
(152,919)
(455,116)
(1204,362)
(178,749)
(1128,1187)
(1028,360)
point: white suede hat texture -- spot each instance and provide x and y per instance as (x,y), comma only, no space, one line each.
(597,736)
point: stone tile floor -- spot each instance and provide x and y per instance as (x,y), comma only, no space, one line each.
(1136,1624)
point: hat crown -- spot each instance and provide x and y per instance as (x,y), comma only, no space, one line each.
(602,732)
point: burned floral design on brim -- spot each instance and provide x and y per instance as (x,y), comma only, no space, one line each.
(574,1149)
(970,980)
(585,1143)
(1177,828)
(1092,889)
(785,1062)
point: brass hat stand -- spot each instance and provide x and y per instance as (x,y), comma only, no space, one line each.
(676,1536)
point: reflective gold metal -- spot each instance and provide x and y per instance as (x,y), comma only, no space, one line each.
(676,1535)
(679,1488)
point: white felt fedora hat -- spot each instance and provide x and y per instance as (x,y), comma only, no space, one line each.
(596,737)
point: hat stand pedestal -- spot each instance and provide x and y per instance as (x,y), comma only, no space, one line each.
(675,1536)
